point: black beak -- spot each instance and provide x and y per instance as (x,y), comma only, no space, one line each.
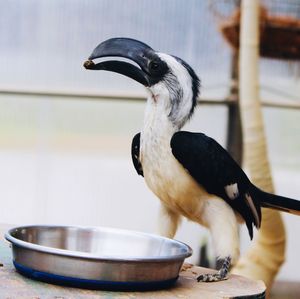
(134,50)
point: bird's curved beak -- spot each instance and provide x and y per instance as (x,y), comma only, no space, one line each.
(134,50)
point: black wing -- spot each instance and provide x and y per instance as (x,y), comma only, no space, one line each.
(217,172)
(135,154)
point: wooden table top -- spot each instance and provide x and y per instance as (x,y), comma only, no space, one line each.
(14,286)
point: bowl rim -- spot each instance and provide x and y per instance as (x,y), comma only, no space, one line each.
(85,255)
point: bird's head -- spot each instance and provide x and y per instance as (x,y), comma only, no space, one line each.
(172,83)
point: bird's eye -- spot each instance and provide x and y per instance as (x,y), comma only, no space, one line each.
(154,65)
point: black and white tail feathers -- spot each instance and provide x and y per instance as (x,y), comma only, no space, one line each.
(277,202)
(215,170)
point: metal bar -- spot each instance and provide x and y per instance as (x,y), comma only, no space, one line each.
(71,94)
(234,144)
(282,104)
(133,97)
(97,96)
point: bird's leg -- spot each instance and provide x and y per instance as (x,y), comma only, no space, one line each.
(168,222)
(220,219)
(220,275)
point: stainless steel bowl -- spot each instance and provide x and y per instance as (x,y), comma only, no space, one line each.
(96,257)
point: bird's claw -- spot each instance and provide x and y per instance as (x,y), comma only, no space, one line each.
(211,277)
(222,274)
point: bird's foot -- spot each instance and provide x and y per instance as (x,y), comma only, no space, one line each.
(211,277)
(222,274)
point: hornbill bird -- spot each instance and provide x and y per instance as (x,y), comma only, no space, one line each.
(191,174)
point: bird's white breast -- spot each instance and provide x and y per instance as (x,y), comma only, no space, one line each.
(165,176)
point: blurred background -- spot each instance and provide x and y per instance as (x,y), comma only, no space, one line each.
(65,133)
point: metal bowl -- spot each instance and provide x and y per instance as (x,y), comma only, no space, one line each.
(96,257)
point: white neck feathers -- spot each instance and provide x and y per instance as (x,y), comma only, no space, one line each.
(170,100)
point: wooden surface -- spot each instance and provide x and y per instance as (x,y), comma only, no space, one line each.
(13,286)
